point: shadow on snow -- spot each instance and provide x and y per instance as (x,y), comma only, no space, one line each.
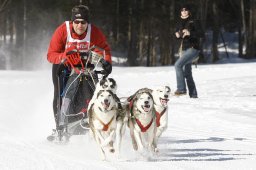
(197,154)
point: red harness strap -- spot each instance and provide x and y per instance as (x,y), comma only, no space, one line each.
(143,128)
(130,106)
(158,117)
(105,126)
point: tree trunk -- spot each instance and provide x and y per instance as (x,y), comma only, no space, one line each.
(216,32)
(164,39)
(133,39)
(202,20)
(251,40)
(116,23)
(171,31)
(140,43)
(17,59)
(242,27)
(149,45)
(3,4)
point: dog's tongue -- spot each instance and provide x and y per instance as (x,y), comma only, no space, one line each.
(163,101)
(105,105)
(146,108)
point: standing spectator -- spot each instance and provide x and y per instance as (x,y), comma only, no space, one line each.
(187,33)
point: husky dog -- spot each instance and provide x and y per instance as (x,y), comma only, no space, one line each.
(104,84)
(110,84)
(161,97)
(102,120)
(142,120)
(107,84)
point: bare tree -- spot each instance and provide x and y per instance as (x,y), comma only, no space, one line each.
(216,32)
(3,4)
(203,10)
(165,40)
(241,28)
(132,34)
(251,33)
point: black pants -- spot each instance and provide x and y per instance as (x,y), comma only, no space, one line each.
(58,85)
(190,81)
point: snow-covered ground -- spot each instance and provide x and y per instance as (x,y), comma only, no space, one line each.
(215,131)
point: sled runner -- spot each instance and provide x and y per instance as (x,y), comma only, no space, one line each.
(78,87)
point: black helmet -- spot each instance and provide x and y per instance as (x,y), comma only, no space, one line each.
(80,12)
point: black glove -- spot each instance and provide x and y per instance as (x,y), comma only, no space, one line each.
(61,67)
(107,67)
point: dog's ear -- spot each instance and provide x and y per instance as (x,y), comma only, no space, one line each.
(147,90)
(131,98)
(113,83)
(150,95)
(112,94)
(90,110)
(102,81)
(138,93)
(168,89)
(99,93)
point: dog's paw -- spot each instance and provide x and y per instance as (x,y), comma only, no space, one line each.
(156,150)
(112,150)
(135,145)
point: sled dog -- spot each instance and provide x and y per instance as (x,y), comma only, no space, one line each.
(110,84)
(107,84)
(161,97)
(102,120)
(142,120)
(104,84)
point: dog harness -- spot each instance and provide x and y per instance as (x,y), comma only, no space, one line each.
(158,117)
(105,126)
(142,128)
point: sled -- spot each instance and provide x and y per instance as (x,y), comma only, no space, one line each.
(76,122)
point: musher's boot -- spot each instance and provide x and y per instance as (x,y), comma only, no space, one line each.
(53,136)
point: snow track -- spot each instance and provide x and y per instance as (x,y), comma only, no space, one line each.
(215,131)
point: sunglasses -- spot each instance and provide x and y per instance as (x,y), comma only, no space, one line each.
(79,22)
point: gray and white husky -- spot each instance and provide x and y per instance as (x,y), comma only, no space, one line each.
(102,120)
(142,122)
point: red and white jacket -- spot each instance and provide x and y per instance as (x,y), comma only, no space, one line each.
(64,36)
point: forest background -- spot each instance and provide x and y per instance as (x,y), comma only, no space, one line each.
(140,32)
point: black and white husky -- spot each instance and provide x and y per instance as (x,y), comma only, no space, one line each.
(109,84)
(104,84)
(102,120)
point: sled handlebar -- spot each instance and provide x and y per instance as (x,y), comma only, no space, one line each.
(86,55)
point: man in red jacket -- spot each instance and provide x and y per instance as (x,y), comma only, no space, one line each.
(77,35)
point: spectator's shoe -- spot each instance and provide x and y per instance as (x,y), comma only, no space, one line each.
(179,93)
